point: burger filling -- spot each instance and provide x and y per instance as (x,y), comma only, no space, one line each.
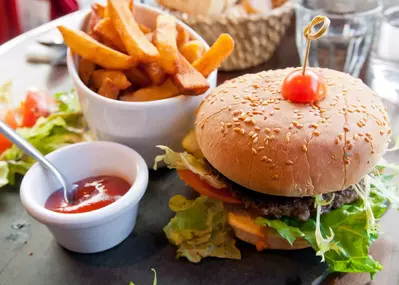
(298,207)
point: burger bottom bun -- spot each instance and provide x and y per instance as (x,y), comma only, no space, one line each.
(263,238)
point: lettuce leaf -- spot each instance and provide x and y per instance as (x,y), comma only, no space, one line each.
(186,161)
(64,127)
(349,224)
(200,229)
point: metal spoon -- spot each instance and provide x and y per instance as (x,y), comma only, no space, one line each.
(69,189)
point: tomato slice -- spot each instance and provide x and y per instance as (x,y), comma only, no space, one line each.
(193,180)
(36,105)
(10,119)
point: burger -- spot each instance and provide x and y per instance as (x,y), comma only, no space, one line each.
(284,175)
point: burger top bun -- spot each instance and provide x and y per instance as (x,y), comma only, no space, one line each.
(256,138)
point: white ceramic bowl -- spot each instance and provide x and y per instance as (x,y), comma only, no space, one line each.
(100,229)
(140,125)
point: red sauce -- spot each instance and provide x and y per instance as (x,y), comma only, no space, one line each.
(93,193)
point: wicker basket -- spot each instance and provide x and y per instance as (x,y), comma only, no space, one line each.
(256,36)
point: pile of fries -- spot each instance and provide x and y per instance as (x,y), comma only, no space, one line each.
(124,60)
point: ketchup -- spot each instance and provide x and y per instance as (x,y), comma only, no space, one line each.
(93,193)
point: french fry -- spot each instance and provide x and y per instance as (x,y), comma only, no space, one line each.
(215,56)
(98,9)
(106,29)
(182,36)
(92,50)
(152,93)
(144,29)
(133,38)
(155,72)
(86,69)
(108,89)
(150,36)
(165,42)
(138,76)
(188,79)
(93,20)
(192,50)
(117,77)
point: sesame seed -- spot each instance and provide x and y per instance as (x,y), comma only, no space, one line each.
(346,128)
(229,125)
(336,141)
(236,112)
(261,148)
(350,146)
(276,107)
(340,136)
(372,151)
(254,135)
(257,112)
(253,122)
(275,177)
(296,111)
(235,119)
(247,120)
(269,160)
(267,130)
(382,132)
(254,151)
(251,133)
(368,135)
(346,160)
(257,129)
(290,126)
(277,130)
(323,120)
(242,131)
(272,137)
(230,107)
(333,156)
(304,148)
(314,125)
(237,123)
(271,113)
(237,130)
(360,134)
(272,166)
(255,141)
(355,137)
(289,162)
(264,158)
(367,139)
(242,117)
(295,123)
(316,133)
(287,137)
(300,126)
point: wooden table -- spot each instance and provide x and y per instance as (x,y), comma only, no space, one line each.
(30,255)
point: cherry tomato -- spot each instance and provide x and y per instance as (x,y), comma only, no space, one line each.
(10,120)
(36,105)
(301,88)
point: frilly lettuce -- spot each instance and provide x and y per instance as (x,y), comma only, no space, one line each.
(200,229)
(64,127)
(347,250)
(186,161)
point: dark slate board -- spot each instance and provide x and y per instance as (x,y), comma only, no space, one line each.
(146,248)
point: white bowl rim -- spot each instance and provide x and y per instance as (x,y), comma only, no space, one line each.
(92,218)
(73,71)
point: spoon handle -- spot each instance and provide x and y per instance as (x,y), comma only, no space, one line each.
(34,153)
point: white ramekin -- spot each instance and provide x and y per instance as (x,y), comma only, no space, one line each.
(140,125)
(100,229)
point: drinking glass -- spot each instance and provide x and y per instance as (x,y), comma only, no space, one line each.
(347,43)
(383,68)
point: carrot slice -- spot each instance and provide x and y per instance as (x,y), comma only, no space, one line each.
(193,180)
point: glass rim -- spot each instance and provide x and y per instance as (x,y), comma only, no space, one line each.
(371,12)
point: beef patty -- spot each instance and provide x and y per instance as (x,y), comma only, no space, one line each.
(279,206)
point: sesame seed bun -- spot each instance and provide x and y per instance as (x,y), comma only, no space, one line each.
(256,138)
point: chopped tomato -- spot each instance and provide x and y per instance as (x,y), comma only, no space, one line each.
(11,121)
(36,105)
(193,180)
